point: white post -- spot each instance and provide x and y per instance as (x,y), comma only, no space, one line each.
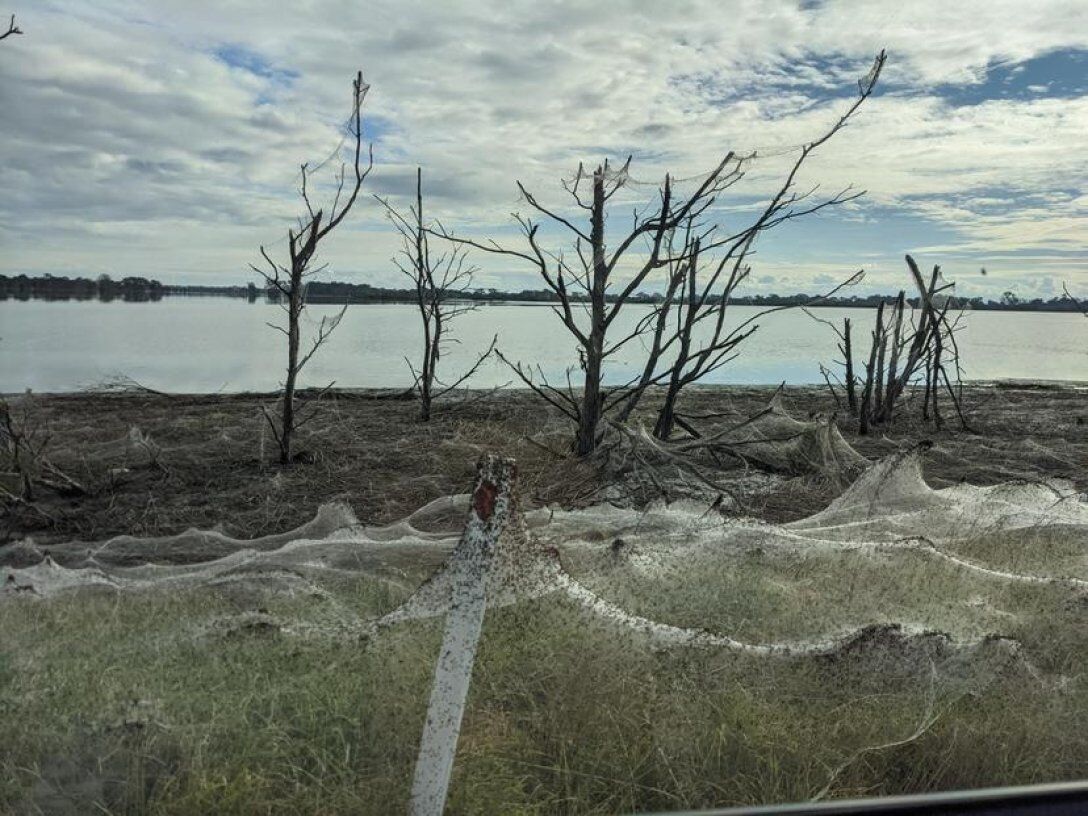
(471,564)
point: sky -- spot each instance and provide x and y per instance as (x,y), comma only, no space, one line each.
(163,138)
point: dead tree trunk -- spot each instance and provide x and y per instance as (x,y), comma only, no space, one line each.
(666,415)
(893,362)
(848,362)
(879,384)
(432,318)
(590,413)
(295,304)
(927,388)
(934,380)
(287,282)
(901,356)
(872,373)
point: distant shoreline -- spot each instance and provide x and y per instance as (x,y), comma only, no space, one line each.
(756,302)
(142,290)
(378,394)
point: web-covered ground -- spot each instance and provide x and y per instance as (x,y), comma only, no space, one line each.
(202,465)
(902,638)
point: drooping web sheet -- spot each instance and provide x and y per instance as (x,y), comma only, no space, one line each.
(657,573)
(770,445)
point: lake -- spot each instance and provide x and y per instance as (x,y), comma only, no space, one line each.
(223,344)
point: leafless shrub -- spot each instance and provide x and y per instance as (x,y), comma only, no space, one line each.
(904,349)
(24,439)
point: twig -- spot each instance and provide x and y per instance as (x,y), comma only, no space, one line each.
(924,724)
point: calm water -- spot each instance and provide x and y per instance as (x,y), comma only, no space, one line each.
(212,344)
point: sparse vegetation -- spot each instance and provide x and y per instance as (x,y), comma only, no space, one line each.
(23,443)
(439,282)
(905,347)
(373,455)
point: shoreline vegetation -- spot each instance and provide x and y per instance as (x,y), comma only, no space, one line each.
(142,290)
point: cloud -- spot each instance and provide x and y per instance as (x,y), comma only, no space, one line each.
(165,138)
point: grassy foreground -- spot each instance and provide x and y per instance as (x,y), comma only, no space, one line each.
(197,702)
(174,705)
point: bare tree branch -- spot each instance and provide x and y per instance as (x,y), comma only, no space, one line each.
(12,29)
(437,281)
(701,264)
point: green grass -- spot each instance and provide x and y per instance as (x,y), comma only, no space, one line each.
(149,704)
(758,596)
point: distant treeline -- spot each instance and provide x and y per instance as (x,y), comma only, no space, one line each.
(105,288)
(22,287)
(337,292)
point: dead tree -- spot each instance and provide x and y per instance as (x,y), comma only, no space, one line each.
(439,282)
(871,375)
(902,352)
(932,337)
(23,442)
(584,281)
(581,279)
(1081,306)
(849,381)
(703,296)
(12,29)
(288,281)
(691,301)
(693,362)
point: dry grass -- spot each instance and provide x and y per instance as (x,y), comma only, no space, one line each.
(194,702)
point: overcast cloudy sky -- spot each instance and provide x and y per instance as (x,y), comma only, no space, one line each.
(163,137)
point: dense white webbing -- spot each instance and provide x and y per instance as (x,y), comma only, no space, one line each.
(888,508)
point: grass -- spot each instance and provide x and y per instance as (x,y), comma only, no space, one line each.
(172,704)
(154,714)
(808,595)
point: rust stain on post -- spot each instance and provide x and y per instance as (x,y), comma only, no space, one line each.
(483,500)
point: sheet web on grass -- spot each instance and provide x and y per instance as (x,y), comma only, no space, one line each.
(677,575)
(895,594)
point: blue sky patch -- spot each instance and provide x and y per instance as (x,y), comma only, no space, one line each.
(238,56)
(1062,74)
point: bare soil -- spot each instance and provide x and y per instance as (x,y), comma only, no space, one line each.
(208,460)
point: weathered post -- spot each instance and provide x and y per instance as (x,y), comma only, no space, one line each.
(492,505)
